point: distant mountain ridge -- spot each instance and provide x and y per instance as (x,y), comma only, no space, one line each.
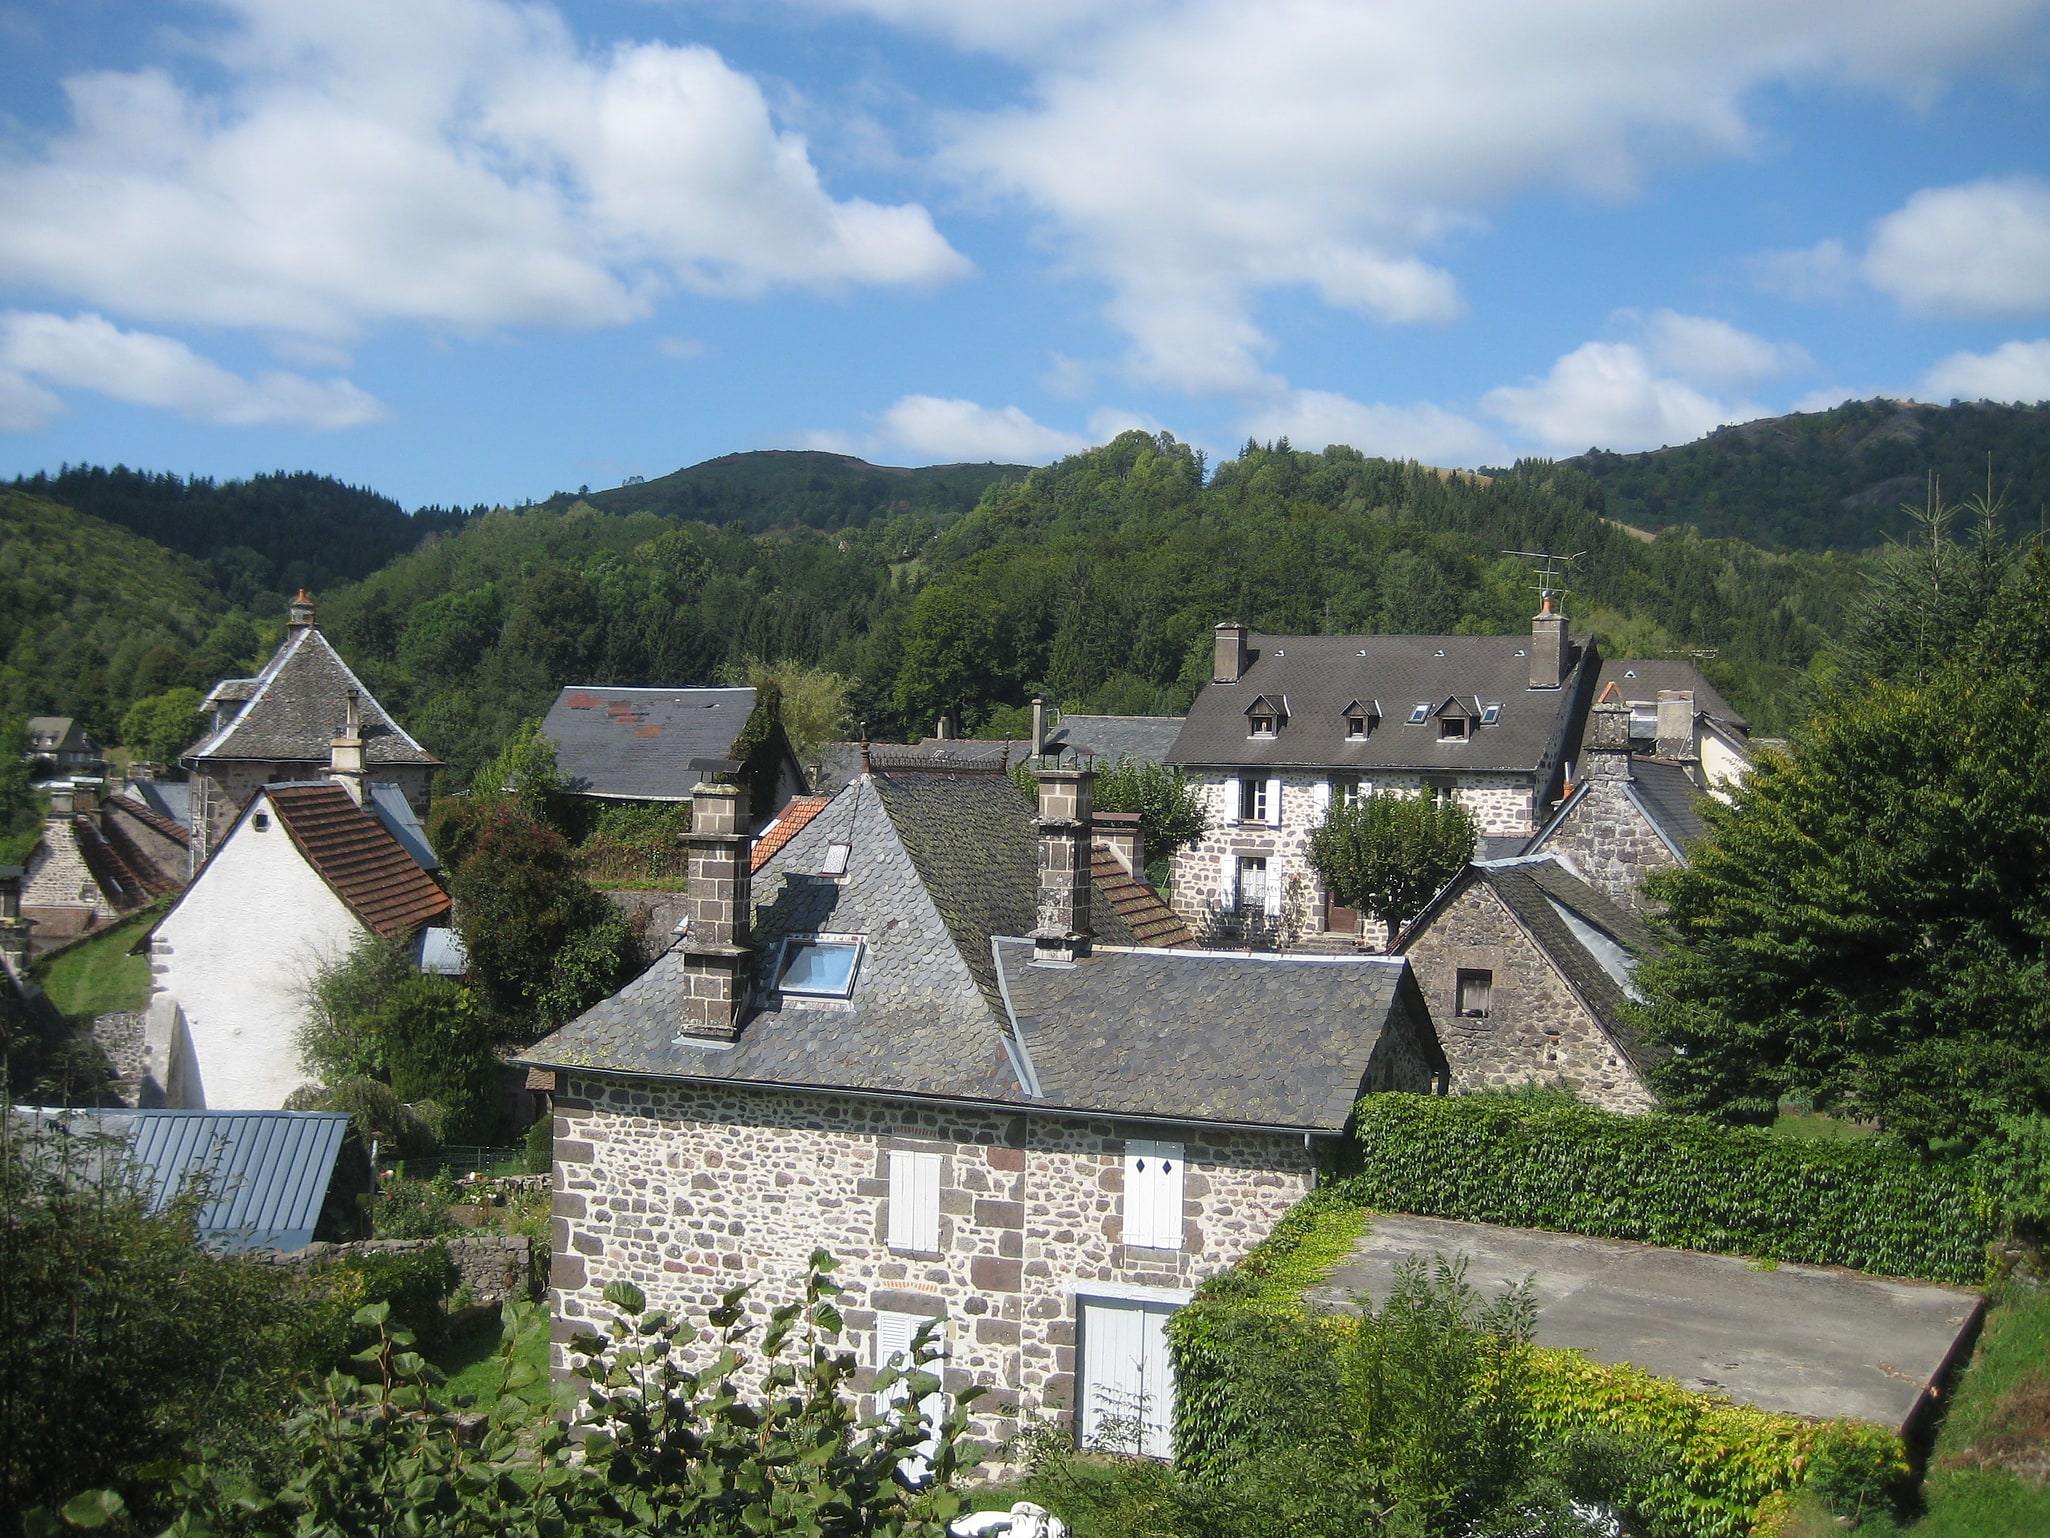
(1830,480)
(767,488)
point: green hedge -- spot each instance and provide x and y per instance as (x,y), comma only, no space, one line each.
(1869,1205)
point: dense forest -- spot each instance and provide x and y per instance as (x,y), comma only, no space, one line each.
(1832,480)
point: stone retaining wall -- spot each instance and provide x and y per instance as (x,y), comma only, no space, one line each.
(495,1268)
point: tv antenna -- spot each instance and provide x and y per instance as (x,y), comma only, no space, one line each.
(1550,568)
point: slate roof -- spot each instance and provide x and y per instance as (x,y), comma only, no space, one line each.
(790,821)
(357,857)
(388,804)
(267,1171)
(1535,888)
(170,799)
(1110,739)
(1319,676)
(293,707)
(1639,683)
(943,867)
(637,744)
(59,734)
(1663,793)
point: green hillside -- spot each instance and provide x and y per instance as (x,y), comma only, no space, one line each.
(773,488)
(260,538)
(1830,480)
(93,617)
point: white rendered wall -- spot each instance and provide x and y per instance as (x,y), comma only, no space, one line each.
(237,953)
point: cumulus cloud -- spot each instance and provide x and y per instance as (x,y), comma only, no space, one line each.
(40,353)
(943,430)
(1822,271)
(2015,371)
(1316,419)
(456,162)
(1198,153)
(1979,250)
(1714,352)
(1609,395)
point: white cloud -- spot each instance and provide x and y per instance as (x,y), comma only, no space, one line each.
(1315,419)
(88,352)
(1195,154)
(940,430)
(1713,352)
(2015,371)
(1823,271)
(1977,250)
(455,162)
(1608,395)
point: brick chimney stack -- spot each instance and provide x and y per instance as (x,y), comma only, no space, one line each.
(1230,665)
(1676,739)
(345,752)
(1547,647)
(299,613)
(1067,800)
(718,950)
(1605,750)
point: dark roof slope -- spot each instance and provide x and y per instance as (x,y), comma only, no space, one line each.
(1319,676)
(637,744)
(1278,1041)
(1109,739)
(1667,795)
(294,706)
(358,858)
(1639,683)
(151,818)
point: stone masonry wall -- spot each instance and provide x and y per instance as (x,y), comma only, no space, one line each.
(494,1268)
(1537,1031)
(687,1190)
(1607,839)
(1499,806)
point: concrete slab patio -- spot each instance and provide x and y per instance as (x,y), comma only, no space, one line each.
(1804,1340)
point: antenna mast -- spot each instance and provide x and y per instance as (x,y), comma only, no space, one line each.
(1550,568)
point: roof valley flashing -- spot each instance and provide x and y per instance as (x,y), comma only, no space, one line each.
(945,996)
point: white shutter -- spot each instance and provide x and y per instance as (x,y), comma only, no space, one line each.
(1322,799)
(1153,1195)
(1274,800)
(894,1335)
(1276,879)
(1234,798)
(914,1200)
(1228,881)
(1127,1380)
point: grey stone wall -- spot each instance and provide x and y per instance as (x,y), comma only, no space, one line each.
(1537,1030)
(1608,840)
(495,1268)
(688,1190)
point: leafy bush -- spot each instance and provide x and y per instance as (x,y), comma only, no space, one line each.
(414,1209)
(375,1112)
(540,1146)
(337,1040)
(1388,854)
(436,1042)
(1872,1205)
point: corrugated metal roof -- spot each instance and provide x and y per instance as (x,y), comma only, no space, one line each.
(267,1171)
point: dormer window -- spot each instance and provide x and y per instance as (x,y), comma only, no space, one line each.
(1266,715)
(1452,729)
(1263,726)
(1356,728)
(1455,720)
(1361,717)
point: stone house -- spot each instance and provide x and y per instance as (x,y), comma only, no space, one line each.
(277,728)
(97,860)
(1526,970)
(305,872)
(632,744)
(1679,716)
(921,1037)
(60,746)
(1288,723)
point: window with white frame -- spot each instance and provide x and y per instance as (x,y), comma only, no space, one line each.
(914,1200)
(819,968)
(1153,1195)
(895,1335)
(1253,883)
(1253,799)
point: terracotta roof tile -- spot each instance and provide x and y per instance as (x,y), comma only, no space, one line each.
(152,820)
(1150,919)
(358,857)
(790,821)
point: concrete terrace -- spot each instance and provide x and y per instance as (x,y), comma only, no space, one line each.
(1803,1340)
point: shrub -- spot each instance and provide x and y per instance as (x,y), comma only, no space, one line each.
(1871,1205)
(540,1146)
(414,1209)
(436,1041)
(375,1112)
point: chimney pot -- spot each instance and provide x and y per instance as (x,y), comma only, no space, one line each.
(300,611)
(1038,725)
(1066,806)
(718,950)
(1231,653)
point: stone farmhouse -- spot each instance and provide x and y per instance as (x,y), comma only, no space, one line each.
(306,871)
(277,728)
(1526,970)
(99,857)
(630,744)
(921,1036)
(1287,723)
(60,746)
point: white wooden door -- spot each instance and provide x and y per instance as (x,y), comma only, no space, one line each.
(894,1335)
(1127,1382)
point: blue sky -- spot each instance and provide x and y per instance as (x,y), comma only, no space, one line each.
(473,250)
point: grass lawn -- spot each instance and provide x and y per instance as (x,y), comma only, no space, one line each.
(473,1366)
(99,976)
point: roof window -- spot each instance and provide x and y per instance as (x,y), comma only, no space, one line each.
(1419,713)
(1491,713)
(837,855)
(819,969)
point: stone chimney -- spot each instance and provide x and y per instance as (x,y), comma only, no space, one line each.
(717,947)
(1676,739)
(1119,832)
(1066,801)
(300,611)
(1547,647)
(1605,750)
(1038,726)
(345,752)
(1230,666)
(63,797)
(85,795)
(944,728)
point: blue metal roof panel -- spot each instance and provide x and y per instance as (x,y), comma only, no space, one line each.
(268,1170)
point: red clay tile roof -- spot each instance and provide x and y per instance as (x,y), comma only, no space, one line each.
(797,811)
(151,820)
(1152,921)
(541,1079)
(354,854)
(136,871)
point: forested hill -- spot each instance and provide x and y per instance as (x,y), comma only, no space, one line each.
(1831,480)
(779,487)
(260,538)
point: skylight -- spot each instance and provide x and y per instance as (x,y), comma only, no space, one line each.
(1491,713)
(837,854)
(819,969)
(1419,713)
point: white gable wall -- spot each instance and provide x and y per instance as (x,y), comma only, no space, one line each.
(236,953)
